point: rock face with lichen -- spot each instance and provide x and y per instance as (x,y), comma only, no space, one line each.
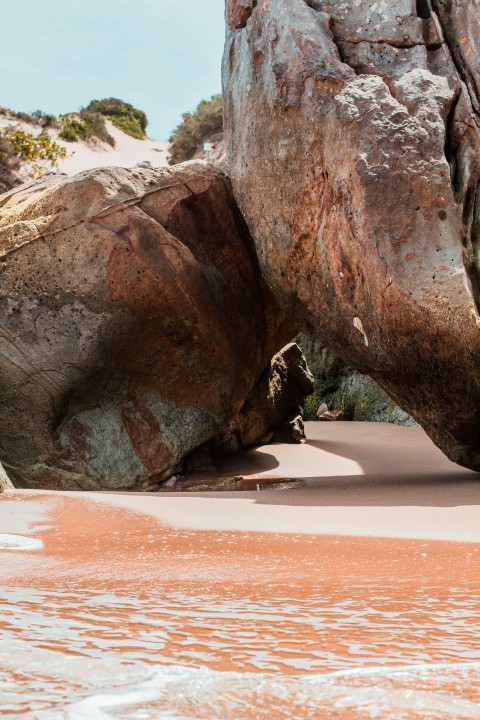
(348,392)
(134,323)
(352,133)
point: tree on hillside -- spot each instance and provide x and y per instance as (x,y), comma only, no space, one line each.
(204,124)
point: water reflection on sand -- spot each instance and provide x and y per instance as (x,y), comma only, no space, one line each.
(119,617)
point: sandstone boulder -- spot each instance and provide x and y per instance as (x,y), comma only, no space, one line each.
(133,321)
(273,409)
(352,135)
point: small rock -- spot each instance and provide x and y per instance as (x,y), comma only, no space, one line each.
(327,414)
(324,408)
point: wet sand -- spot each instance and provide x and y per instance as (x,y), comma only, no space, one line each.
(370,479)
(355,596)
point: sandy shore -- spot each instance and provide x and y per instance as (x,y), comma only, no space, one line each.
(369,479)
(346,594)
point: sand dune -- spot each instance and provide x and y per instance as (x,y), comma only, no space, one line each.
(84,156)
(127,152)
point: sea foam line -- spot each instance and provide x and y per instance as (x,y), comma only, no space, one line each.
(19,542)
(165,682)
(393,670)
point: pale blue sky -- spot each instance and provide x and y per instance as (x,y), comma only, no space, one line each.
(161,55)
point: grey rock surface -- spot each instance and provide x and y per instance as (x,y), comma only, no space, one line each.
(358,396)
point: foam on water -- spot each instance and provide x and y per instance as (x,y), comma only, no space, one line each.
(174,693)
(72,655)
(9,541)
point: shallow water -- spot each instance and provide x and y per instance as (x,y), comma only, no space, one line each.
(117,616)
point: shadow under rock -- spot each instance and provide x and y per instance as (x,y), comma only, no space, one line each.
(355,464)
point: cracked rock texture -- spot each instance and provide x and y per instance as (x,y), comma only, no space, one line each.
(352,135)
(133,321)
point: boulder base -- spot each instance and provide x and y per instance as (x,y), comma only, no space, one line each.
(134,324)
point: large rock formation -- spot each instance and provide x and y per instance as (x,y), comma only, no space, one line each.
(133,321)
(353,147)
(273,409)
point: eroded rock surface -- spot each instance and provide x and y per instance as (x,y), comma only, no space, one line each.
(352,134)
(133,322)
(273,408)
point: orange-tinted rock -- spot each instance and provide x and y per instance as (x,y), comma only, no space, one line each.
(353,146)
(327,414)
(134,324)
(238,12)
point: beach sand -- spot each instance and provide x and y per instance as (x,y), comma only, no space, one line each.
(353,596)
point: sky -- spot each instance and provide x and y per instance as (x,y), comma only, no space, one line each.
(163,56)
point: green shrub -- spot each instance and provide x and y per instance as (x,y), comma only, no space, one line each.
(73,130)
(124,116)
(129,126)
(44,119)
(30,147)
(85,126)
(35,118)
(9,165)
(205,124)
(17,145)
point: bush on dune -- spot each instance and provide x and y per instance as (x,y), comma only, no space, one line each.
(205,124)
(37,117)
(85,126)
(17,146)
(90,123)
(9,164)
(29,148)
(124,116)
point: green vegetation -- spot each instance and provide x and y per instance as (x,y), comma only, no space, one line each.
(30,147)
(124,116)
(9,165)
(90,121)
(84,126)
(18,146)
(359,397)
(205,124)
(35,118)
